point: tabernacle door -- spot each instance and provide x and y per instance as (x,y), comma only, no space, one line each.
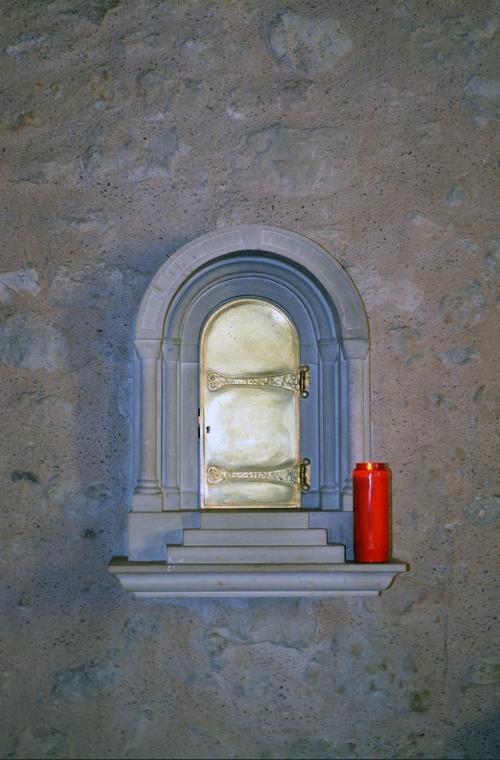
(251,382)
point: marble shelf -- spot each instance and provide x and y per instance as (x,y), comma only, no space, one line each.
(160,579)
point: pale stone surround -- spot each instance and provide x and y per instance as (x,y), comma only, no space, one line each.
(299,275)
(292,248)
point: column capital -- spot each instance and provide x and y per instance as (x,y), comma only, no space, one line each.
(172,349)
(328,350)
(148,349)
(355,349)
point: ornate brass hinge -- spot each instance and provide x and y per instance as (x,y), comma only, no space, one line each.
(304,380)
(305,474)
(293,381)
(296,474)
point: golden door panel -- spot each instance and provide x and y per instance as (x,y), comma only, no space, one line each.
(250,387)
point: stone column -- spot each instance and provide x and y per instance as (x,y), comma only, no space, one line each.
(356,354)
(148,495)
(329,441)
(171,438)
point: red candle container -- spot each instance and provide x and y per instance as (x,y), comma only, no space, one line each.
(371,493)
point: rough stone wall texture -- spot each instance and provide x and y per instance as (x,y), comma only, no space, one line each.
(130,127)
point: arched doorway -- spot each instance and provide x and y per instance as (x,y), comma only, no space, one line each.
(250,408)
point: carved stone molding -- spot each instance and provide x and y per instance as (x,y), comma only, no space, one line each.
(161,580)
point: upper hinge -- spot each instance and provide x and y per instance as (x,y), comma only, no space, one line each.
(294,381)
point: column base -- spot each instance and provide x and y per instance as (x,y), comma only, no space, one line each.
(147,502)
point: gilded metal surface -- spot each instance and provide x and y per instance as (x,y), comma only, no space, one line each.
(283,475)
(305,474)
(304,380)
(300,473)
(290,381)
(250,387)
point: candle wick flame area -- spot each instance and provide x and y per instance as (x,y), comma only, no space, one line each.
(372,466)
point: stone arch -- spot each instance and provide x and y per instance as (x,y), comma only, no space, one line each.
(289,246)
(193,282)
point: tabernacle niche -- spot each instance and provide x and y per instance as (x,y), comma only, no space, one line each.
(261,333)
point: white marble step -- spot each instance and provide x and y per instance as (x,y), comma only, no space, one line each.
(255,519)
(255,537)
(254,554)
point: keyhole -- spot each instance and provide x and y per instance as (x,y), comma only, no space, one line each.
(208,428)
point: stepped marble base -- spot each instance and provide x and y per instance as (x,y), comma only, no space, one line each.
(243,553)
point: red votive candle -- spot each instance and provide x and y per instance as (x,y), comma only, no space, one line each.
(371,483)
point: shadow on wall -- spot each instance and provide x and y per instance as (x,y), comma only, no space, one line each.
(477,739)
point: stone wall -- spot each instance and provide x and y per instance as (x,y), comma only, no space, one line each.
(129,127)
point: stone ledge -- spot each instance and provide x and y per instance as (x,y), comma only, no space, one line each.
(159,579)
